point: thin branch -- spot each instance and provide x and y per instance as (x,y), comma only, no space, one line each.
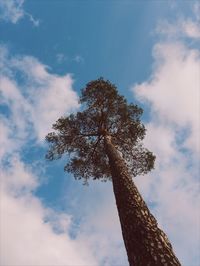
(94,134)
(94,149)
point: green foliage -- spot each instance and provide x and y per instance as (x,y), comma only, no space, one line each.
(81,135)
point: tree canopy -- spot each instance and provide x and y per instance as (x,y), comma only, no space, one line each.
(81,135)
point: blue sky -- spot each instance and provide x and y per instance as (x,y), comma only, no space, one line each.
(49,50)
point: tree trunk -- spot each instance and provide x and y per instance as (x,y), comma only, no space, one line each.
(145,243)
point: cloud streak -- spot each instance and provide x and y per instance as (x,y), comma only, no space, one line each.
(13,11)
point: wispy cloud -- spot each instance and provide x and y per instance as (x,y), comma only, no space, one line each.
(196,10)
(36,22)
(182,27)
(60,58)
(173,93)
(78,59)
(13,11)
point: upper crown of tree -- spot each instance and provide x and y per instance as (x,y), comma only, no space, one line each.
(81,135)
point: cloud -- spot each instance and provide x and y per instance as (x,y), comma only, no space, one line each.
(60,58)
(7,144)
(38,99)
(173,94)
(78,59)
(36,22)
(196,10)
(182,27)
(173,90)
(13,11)
(30,233)
(191,29)
(51,95)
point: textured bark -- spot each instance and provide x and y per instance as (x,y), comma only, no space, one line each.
(145,243)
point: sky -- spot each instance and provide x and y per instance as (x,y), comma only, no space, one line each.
(49,50)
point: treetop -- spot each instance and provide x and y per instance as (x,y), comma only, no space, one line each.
(81,135)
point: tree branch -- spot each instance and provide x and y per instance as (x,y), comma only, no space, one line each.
(94,149)
(93,134)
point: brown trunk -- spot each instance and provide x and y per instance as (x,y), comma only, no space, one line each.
(145,243)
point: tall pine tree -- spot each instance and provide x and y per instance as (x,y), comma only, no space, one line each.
(104,141)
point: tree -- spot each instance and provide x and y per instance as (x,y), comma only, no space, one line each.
(104,141)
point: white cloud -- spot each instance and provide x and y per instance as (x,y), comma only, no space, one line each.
(78,59)
(60,58)
(27,228)
(20,183)
(173,89)
(19,108)
(39,99)
(5,143)
(12,11)
(173,93)
(51,95)
(196,10)
(191,29)
(182,27)
(36,22)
